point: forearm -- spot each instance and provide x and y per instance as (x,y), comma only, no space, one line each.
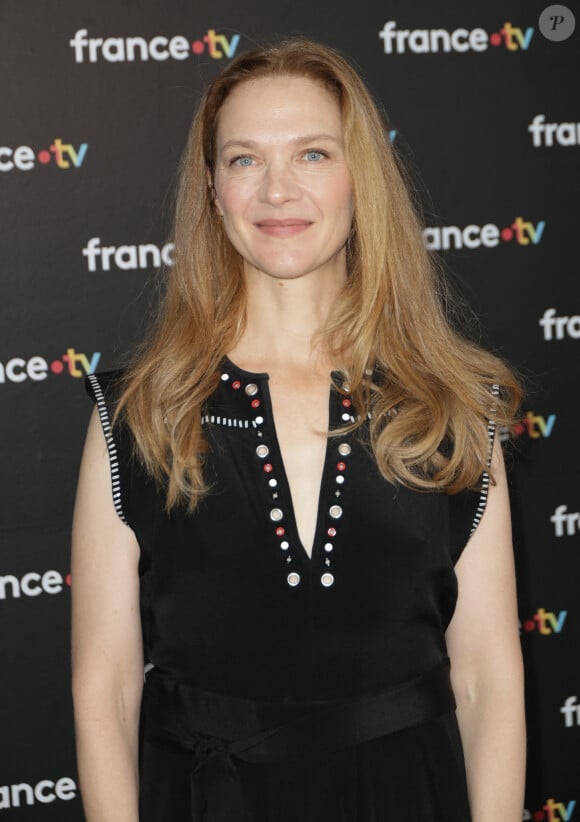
(492,730)
(107,756)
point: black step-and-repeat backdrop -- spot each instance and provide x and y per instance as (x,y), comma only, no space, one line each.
(95,102)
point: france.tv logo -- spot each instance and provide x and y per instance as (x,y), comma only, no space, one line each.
(158,48)
(59,153)
(432,41)
(72,362)
(446,237)
(535,425)
(566,523)
(545,622)
(552,811)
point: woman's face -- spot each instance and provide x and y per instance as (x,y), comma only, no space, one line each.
(282,183)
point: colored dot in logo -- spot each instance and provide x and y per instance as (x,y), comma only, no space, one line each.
(495,38)
(538,816)
(56,367)
(507,234)
(519,428)
(67,579)
(43,156)
(529,625)
(197,47)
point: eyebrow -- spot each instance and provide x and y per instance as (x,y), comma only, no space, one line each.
(307,138)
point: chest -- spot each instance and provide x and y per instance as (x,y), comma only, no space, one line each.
(370,599)
(299,425)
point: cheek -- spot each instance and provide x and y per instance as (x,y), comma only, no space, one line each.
(230,206)
(349,200)
(344,213)
(221,199)
(344,203)
(340,196)
(231,198)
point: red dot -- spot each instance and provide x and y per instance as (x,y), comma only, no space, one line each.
(280,532)
(495,38)
(268,468)
(529,625)
(346,402)
(341,466)
(236,384)
(539,815)
(506,234)
(518,429)
(56,367)
(67,579)
(44,156)
(197,47)
(331,532)
(255,403)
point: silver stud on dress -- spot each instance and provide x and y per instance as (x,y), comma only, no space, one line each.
(293,578)
(251,389)
(344,449)
(335,511)
(327,579)
(262,451)
(276,514)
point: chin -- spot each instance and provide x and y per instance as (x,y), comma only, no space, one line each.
(287,270)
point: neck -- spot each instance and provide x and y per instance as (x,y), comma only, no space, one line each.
(283,320)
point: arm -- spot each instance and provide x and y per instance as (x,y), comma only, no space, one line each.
(486,664)
(107,656)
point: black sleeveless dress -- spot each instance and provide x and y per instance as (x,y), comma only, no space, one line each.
(283,688)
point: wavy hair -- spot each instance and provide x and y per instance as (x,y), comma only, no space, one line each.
(431,398)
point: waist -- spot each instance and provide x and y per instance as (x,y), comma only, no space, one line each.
(258,731)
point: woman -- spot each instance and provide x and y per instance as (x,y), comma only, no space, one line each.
(300,462)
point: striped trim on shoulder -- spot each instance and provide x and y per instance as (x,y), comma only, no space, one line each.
(485,477)
(111,447)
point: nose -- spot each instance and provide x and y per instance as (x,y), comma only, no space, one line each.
(279,185)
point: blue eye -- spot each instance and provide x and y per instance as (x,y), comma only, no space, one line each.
(243,161)
(314,155)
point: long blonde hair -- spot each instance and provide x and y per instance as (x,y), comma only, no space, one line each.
(432,387)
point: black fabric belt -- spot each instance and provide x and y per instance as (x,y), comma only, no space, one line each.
(218,729)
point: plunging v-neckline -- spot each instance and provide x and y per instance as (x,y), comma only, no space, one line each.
(286,490)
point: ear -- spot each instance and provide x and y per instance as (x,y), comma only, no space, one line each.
(212,193)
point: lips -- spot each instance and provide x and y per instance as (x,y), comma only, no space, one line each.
(283,228)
